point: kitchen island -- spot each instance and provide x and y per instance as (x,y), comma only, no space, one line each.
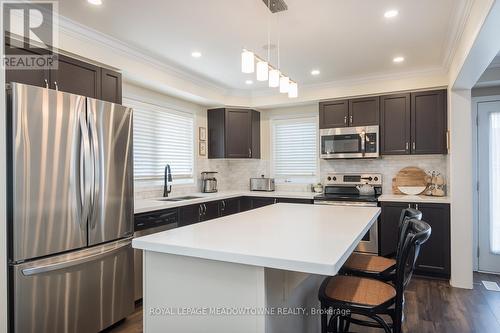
(256,271)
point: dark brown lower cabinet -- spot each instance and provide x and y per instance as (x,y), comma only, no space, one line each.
(213,209)
(229,206)
(210,211)
(294,200)
(257,202)
(434,257)
(189,215)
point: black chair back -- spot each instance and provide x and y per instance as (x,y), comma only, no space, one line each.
(406,215)
(417,233)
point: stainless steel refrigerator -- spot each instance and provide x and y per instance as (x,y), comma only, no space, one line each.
(70,211)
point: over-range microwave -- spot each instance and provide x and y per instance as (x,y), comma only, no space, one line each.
(350,142)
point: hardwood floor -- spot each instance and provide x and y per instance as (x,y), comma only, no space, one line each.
(431,306)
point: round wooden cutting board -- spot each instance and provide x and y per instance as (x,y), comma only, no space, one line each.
(409,176)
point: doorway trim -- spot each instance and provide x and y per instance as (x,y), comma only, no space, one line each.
(475,196)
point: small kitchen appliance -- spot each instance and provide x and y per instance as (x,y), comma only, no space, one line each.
(349,142)
(208,182)
(262,184)
(361,190)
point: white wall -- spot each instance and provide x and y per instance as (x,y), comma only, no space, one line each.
(477,47)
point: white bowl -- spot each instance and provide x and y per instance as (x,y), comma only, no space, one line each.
(412,190)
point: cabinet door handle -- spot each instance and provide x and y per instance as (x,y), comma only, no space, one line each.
(46,83)
(55,83)
(350,119)
(204,209)
(407,146)
(275,200)
(223,205)
(413,145)
(200,210)
(345,120)
(409,205)
(416,206)
(249,152)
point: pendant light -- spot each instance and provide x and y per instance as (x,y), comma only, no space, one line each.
(262,70)
(293,91)
(284,84)
(247,61)
(274,78)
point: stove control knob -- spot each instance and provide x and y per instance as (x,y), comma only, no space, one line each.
(329,178)
(375,179)
(334,179)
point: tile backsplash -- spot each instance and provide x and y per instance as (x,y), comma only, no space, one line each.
(234,174)
(388,166)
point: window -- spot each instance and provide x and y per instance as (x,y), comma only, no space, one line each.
(494,182)
(294,150)
(162,136)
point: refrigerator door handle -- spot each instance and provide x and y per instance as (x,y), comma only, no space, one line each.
(86,173)
(95,165)
(74,262)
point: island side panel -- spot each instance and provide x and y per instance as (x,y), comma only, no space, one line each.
(294,296)
(175,284)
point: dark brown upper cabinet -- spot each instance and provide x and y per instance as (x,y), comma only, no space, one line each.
(352,112)
(395,116)
(77,77)
(334,114)
(111,86)
(428,122)
(233,133)
(364,111)
(414,123)
(34,77)
(72,75)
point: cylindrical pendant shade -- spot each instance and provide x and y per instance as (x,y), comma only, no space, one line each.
(274,78)
(247,62)
(293,90)
(284,84)
(262,70)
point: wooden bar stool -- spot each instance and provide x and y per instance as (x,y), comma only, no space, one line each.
(344,295)
(379,267)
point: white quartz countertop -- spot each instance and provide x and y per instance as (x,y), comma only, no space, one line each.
(413,198)
(147,205)
(313,239)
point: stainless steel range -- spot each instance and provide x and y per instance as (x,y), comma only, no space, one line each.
(351,189)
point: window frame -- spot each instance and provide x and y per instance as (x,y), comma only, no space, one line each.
(291,119)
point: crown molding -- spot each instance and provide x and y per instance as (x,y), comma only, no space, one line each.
(82,32)
(356,80)
(455,31)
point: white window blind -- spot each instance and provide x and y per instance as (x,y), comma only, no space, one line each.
(162,136)
(494,182)
(294,149)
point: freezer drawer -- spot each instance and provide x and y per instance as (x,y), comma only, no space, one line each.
(83,291)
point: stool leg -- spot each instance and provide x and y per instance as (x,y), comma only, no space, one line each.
(324,320)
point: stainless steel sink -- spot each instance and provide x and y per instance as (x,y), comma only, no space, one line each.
(187,197)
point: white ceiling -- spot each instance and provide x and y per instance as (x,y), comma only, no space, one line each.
(345,39)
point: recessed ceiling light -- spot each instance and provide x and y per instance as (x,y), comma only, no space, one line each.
(315,72)
(95,2)
(391,13)
(196,54)
(398,59)
(249,82)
